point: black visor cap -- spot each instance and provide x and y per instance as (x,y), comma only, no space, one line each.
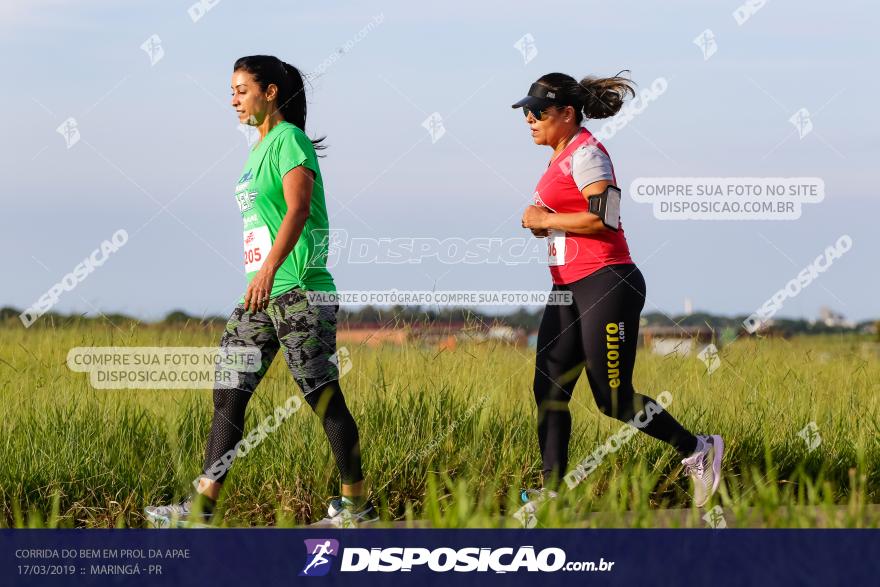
(538,98)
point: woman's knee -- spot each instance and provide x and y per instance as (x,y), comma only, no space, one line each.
(326,397)
(555,382)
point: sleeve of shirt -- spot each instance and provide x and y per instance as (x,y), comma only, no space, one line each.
(590,164)
(295,149)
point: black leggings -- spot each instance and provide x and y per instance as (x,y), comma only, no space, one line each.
(600,329)
(327,402)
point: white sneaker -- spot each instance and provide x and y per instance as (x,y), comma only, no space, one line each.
(194,511)
(344,513)
(532,499)
(704,467)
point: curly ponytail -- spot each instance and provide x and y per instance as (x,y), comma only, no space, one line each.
(592,97)
(604,97)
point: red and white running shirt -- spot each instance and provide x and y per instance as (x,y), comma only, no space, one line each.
(574,256)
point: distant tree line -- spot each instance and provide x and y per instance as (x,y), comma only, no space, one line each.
(523,318)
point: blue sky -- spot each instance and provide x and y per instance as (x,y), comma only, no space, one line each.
(165,135)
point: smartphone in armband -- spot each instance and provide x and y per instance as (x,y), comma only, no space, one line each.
(607,206)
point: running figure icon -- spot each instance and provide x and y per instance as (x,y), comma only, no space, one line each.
(320,550)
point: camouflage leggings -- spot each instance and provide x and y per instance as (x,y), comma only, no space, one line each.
(306,332)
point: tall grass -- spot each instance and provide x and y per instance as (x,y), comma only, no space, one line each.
(447,436)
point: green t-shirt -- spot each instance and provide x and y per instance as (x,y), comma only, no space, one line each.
(260,198)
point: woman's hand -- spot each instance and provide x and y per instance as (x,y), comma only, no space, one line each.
(257,296)
(536,218)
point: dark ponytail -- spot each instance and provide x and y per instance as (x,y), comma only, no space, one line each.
(592,97)
(291,101)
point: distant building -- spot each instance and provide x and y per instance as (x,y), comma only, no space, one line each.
(370,334)
(507,334)
(870,328)
(830,318)
(443,335)
(688,307)
(676,340)
(769,328)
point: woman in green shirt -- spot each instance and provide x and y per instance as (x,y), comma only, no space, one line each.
(281,198)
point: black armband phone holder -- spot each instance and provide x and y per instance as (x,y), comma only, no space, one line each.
(607,206)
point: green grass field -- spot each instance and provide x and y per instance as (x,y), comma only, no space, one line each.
(448,437)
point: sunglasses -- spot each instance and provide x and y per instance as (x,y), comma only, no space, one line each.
(541,111)
(538,114)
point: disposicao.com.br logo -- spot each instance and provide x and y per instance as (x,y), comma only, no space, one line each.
(441,560)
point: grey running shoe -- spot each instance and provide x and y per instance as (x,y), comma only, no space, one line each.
(344,513)
(194,511)
(537,495)
(704,467)
(532,499)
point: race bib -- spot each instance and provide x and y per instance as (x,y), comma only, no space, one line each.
(257,243)
(555,247)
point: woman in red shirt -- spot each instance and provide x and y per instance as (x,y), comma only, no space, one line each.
(590,261)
